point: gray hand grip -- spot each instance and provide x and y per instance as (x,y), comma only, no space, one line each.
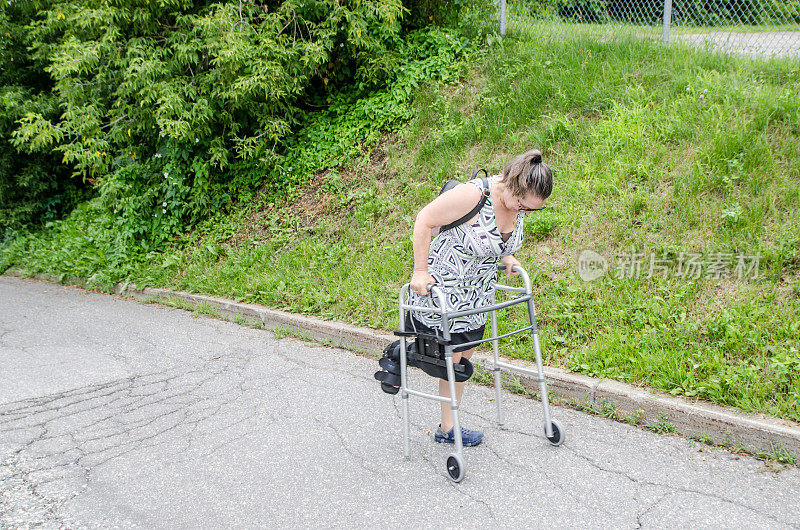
(502,267)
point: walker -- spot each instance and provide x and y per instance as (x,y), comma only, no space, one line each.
(440,347)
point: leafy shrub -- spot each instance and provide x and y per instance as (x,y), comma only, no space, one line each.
(589,11)
(155,189)
(34,188)
(120,92)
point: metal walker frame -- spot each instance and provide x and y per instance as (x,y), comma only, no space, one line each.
(455,461)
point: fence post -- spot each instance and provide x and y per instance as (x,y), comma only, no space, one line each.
(667,22)
(502,18)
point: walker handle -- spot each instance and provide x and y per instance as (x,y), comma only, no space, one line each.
(522,272)
(502,267)
(429,288)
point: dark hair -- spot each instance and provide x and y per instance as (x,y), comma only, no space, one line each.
(528,174)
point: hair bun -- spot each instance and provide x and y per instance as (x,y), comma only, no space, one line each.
(536,157)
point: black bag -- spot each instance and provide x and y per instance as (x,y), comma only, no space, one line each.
(452,183)
(426,352)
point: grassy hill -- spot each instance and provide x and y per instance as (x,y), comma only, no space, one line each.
(657,151)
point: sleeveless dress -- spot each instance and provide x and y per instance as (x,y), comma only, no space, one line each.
(463,260)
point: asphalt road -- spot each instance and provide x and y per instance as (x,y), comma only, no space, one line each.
(763,45)
(114,413)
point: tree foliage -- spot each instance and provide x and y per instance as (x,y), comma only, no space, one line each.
(168,110)
(33,185)
(121,92)
(218,79)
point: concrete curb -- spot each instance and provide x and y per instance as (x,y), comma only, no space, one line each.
(724,425)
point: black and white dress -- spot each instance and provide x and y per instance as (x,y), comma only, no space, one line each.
(463,260)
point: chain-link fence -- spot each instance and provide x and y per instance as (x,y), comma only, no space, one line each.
(757,28)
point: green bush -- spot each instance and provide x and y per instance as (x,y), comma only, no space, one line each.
(34,187)
(589,11)
(107,97)
(175,109)
(149,197)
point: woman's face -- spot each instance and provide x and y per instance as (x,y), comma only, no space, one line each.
(527,204)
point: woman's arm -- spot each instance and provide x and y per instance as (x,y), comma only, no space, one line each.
(446,208)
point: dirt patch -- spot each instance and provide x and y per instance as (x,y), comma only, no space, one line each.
(789,286)
(713,297)
(323,197)
(475,160)
(474,90)
(467,91)
(550,253)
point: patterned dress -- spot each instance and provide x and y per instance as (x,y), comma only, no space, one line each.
(463,260)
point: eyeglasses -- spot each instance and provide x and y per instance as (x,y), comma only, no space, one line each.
(521,209)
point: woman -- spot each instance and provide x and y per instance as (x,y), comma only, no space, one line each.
(463,261)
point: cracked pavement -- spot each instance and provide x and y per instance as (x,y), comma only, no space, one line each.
(114,413)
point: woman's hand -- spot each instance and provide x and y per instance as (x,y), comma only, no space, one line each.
(420,281)
(509,262)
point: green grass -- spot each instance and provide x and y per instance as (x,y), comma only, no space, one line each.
(655,150)
(196,308)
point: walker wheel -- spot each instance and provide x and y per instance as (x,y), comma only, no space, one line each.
(558,433)
(455,467)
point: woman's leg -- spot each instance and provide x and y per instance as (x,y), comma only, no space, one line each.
(444,390)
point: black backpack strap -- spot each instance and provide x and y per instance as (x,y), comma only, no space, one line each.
(477,208)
